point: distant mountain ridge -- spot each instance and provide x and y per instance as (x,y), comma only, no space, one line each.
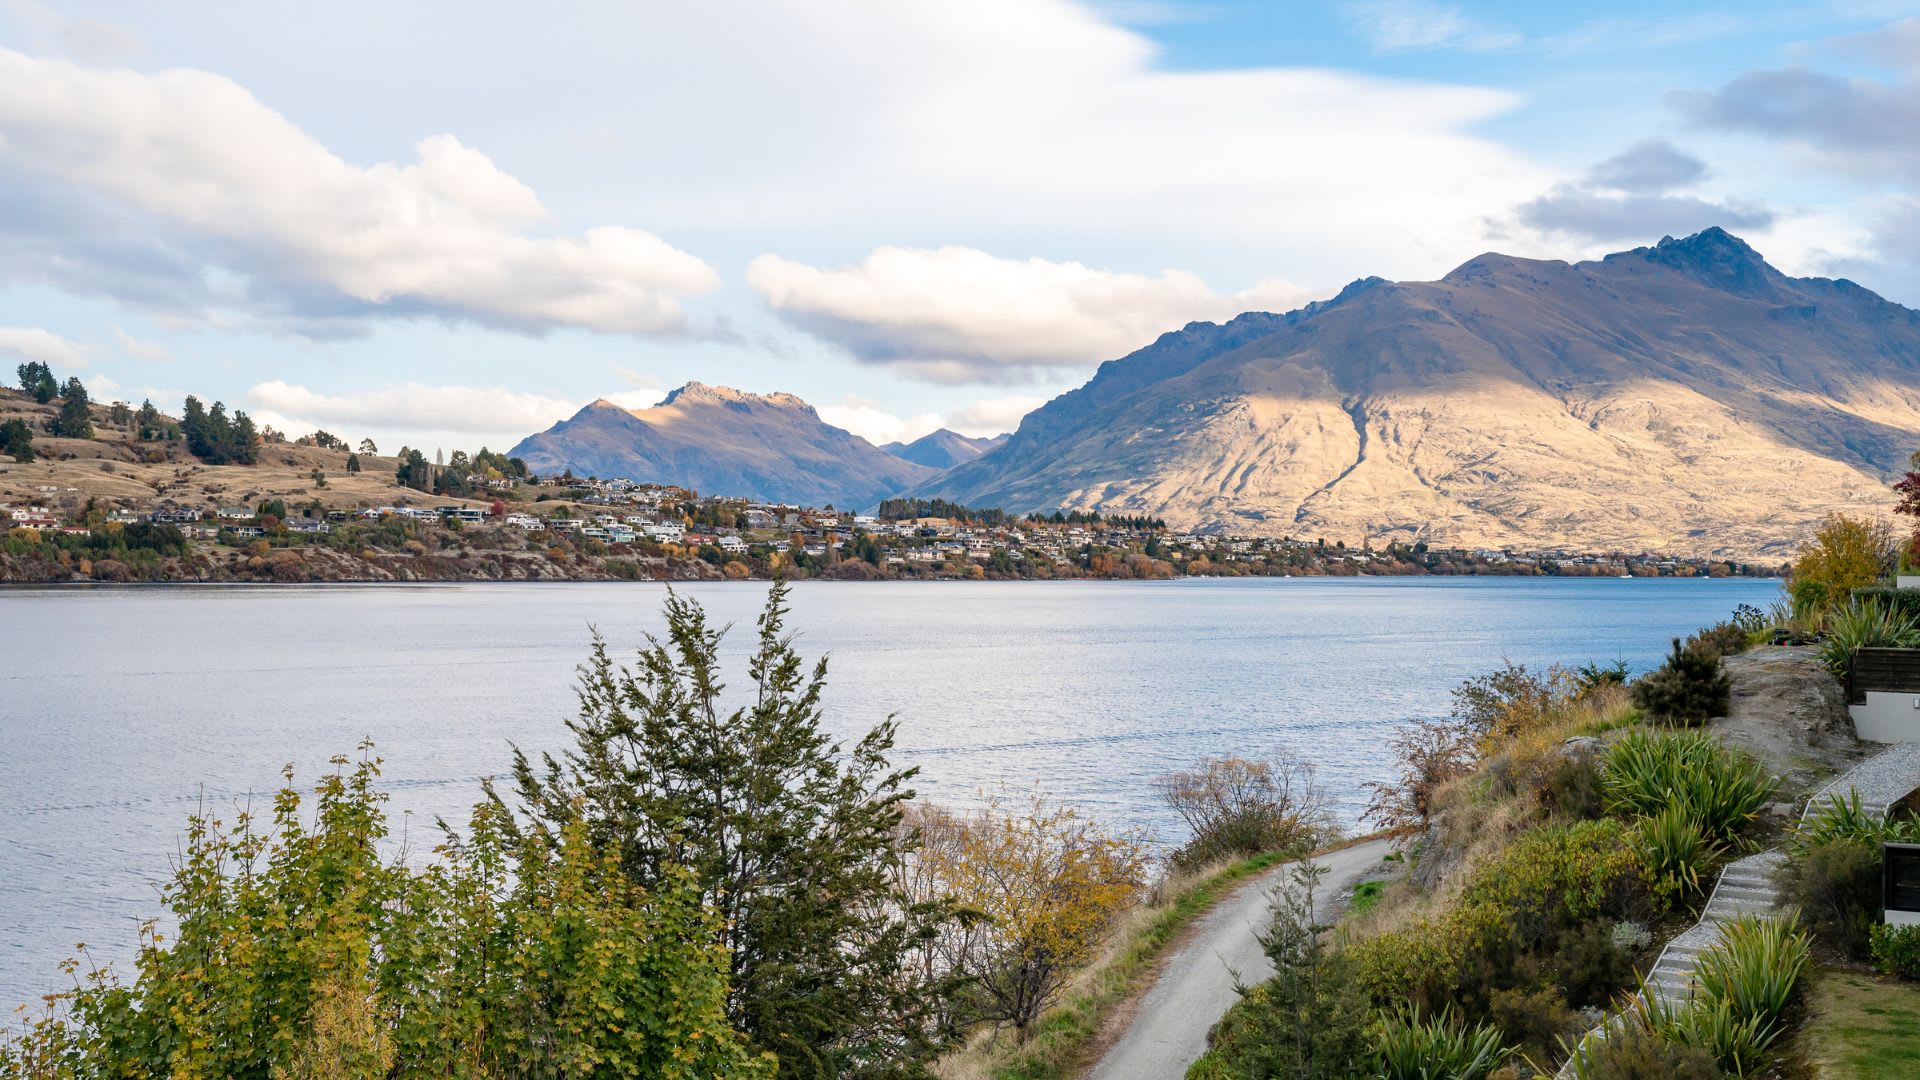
(716,440)
(943,449)
(1686,397)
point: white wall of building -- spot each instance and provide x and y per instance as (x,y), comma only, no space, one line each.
(1887,717)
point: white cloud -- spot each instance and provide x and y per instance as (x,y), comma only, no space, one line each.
(45,346)
(993,416)
(140,348)
(1392,26)
(871,422)
(411,407)
(957,315)
(645,391)
(238,190)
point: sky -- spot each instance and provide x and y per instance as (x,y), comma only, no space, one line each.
(452,224)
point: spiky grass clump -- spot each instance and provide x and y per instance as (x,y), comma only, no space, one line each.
(1722,788)
(1410,1048)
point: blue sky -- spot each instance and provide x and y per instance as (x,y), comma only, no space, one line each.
(453,223)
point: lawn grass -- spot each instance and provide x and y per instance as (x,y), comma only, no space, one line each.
(1861,1026)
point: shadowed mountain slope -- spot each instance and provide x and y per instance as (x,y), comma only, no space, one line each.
(942,449)
(767,447)
(1684,397)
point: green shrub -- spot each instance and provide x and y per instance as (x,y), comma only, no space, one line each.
(1410,1048)
(1866,624)
(1561,875)
(1638,1054)
(1687,691)
(1534,1020)
(1896,950)
(1570,786)
(1836,886)
(1589,965)
(1676,853)
(1435,962)
(1722,788)
(1721,639)
(1905,602)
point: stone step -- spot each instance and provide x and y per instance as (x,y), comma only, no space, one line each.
(1724,908)
(1746,880)
(1747,892)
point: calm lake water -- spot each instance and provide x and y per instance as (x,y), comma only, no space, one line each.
(121,709)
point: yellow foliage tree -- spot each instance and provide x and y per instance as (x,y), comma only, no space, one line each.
(1043,884)
(1846,553)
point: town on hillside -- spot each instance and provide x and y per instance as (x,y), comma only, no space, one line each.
(119,493)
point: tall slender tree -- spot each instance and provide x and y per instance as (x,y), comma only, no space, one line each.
(794,843)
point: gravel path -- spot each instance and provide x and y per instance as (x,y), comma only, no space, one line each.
(1881,780)
(1168,1032)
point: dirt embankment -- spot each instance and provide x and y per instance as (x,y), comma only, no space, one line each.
(1790,713)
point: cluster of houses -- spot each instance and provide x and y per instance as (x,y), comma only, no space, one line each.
(621,511)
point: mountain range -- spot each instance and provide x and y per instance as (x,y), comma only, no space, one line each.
(767,447)
(943,449)
(1684,397)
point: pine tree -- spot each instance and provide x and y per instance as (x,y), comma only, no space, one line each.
(75,420)
(16,439)
(792,842)
(1689,689)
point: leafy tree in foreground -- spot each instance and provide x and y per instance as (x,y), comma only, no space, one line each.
(300,953)
(795,844)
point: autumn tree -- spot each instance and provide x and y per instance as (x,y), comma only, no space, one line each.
(1234,806)
(791,838)
(1044,883)
(1845,554)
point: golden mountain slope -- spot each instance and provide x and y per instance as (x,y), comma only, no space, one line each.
(1685,397)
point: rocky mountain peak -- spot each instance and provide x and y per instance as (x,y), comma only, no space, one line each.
(1715,257)
(699,393)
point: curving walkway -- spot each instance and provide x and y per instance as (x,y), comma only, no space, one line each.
(1200,981)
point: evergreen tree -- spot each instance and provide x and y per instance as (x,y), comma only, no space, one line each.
(16,439)
(794,844)
(353,463)
(75,420)
(367,447)
(37,379)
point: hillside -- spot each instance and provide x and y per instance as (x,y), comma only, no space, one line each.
(943,449)
(1683,397)
(765,447)
(121,471)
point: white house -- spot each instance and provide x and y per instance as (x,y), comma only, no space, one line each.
(1883,694)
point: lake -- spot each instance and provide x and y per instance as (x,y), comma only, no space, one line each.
(122,708)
